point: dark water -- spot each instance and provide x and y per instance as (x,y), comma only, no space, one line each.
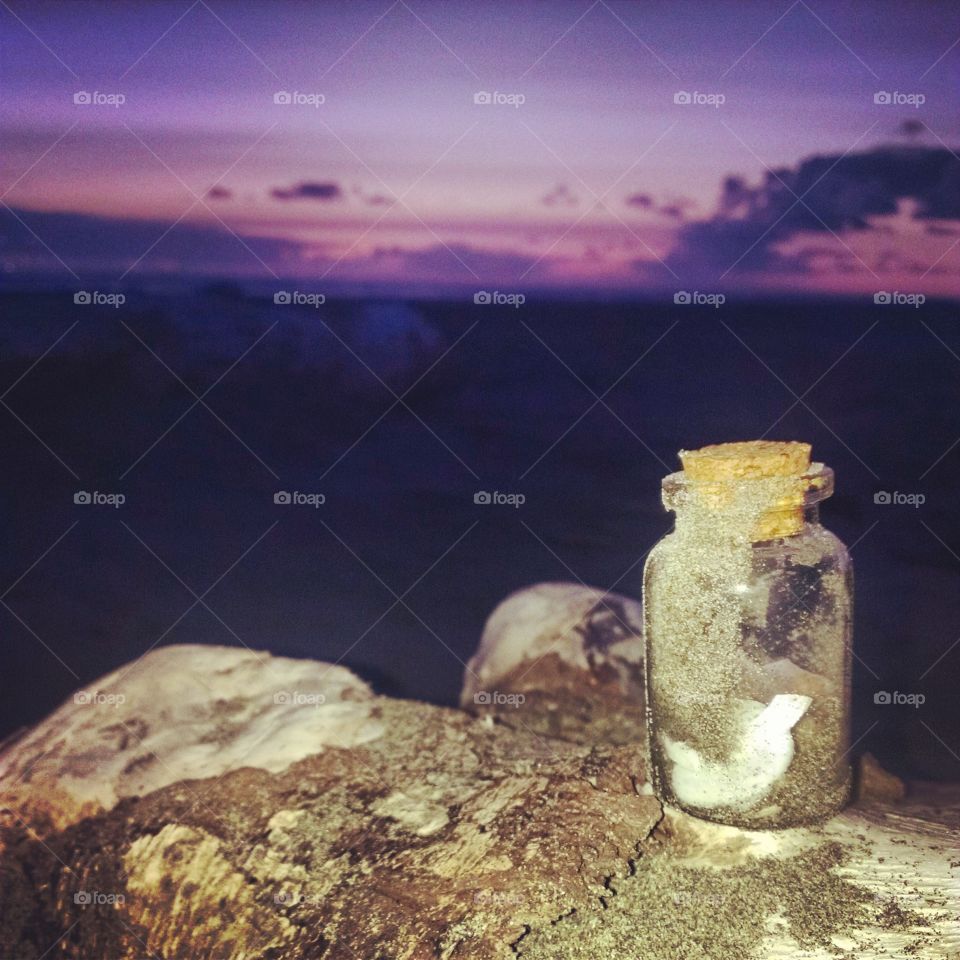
(497,413)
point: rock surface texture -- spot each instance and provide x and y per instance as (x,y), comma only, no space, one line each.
(217,803)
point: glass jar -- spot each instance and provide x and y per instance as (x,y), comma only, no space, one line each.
(748,623)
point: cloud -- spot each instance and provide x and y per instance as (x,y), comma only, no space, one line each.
(840,192)
(92,243)
(879,200)
(912,128)
(308,190)
(674,210)
(560,196)
(101,245)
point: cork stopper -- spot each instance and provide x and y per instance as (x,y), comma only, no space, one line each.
(720,464)
(748,459)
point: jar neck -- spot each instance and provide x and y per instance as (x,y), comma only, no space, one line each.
(752,509)
(774,525)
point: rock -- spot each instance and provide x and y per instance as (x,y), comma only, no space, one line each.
(872,782)
(564,661)
(877,882)
(178,713)
(431,834)
(394,338)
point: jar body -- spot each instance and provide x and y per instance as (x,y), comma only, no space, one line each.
(748,648)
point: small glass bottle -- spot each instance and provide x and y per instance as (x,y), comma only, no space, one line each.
(747,623)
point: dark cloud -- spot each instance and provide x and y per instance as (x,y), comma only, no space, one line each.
(308,190)
(912,128)
(219,193)
(101,245)
(674,210)
(839,193)
(560,196)
(95,243)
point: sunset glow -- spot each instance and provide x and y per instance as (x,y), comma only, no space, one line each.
(547,145)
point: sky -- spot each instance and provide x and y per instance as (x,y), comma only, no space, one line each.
(616,146)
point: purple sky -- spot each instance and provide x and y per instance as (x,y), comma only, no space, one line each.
(597,179)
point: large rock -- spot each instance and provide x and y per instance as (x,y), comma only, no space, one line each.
(353,826)
(562,660)
(180,713)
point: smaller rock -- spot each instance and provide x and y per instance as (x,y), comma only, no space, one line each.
(875,783)
(564,661)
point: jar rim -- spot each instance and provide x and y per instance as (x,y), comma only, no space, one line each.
(817,481)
